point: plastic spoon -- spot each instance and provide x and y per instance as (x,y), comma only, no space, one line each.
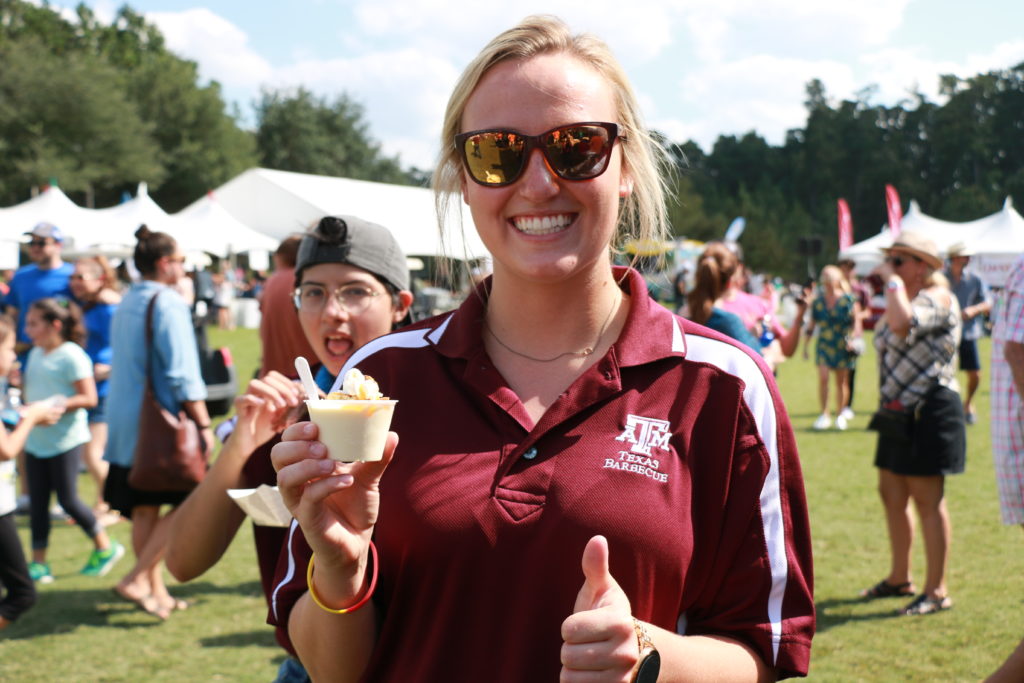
(306,376)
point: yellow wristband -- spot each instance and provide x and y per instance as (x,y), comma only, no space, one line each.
(362,601)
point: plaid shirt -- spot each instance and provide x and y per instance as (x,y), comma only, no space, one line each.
(910,367)
(1007,404)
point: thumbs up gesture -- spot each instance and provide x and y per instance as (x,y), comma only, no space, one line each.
(599,642)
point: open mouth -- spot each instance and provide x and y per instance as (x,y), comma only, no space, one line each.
(543,225)
(338,346)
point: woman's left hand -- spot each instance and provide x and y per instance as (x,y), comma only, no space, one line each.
(599,641)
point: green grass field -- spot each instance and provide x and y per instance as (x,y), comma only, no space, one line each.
(80,631)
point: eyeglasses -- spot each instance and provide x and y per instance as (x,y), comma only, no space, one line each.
(354,299)
(578,151)
(39,243)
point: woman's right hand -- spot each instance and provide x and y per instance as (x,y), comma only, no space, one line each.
(268,405)
(335,503)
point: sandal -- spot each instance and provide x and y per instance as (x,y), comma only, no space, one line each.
(923,604)
(884,589)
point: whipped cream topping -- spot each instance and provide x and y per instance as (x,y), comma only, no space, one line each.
(361,387)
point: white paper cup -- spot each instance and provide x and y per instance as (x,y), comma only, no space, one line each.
(353,431)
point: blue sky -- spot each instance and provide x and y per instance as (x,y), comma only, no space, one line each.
(702,68)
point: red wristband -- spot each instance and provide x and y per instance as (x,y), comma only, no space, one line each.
(362,601)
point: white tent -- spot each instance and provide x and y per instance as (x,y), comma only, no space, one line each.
(996,240)
(279,203)
(203,226)
(192,228)
(50,205)
(116,226)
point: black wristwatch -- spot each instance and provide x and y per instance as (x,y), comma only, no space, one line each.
(649,665)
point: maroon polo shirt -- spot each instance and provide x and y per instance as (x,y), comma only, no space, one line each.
(675,446)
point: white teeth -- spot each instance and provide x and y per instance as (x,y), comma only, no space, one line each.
(542,226)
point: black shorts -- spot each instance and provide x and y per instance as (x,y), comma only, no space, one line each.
(939,442)
(969,355)
(122,497)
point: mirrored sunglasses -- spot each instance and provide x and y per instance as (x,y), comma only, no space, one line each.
(578,151)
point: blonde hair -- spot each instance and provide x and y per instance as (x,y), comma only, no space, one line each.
(100,267)
(832,278)
(936,278)
(642,214)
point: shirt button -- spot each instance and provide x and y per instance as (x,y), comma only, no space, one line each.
(530,454)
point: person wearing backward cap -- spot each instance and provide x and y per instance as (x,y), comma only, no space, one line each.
(351,286)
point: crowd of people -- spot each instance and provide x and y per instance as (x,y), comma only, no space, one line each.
(644,460)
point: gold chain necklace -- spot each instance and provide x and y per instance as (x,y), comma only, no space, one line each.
(583,353)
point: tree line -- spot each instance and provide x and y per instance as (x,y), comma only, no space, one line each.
(101,106)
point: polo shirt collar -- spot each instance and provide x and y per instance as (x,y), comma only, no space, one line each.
(651,331)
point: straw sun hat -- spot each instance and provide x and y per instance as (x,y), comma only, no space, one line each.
(916,245)
(959,249)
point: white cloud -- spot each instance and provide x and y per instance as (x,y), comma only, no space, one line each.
(898,71)
(762,93)
(219,47)
(404,94)
(722,30)
(459,28)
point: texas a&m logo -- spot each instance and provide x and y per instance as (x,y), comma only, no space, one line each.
(645,433)
(642,434)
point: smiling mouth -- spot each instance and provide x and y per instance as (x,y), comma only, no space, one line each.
(542,225)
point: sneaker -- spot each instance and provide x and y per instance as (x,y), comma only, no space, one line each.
(40,572)
(847,413)
(841,423)
(21,506)
(101,561)
(971,418)
(823,422)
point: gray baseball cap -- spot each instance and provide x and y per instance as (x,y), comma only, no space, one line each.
(359,243)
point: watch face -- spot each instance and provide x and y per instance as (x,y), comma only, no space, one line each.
(650,667)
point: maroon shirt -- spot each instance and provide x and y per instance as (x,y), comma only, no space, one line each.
(675,446)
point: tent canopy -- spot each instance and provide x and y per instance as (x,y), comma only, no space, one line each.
(279,203)
(204,226)
(253,211)
(996,240)
(191,227)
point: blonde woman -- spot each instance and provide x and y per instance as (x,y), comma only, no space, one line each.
(589,487)
(94,285)
(921,429)
(836,314)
